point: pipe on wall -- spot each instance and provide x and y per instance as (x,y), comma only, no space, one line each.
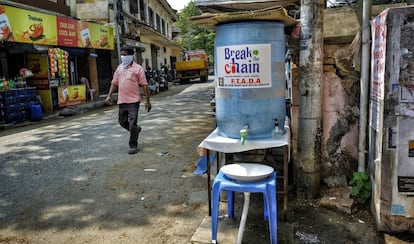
(365,75)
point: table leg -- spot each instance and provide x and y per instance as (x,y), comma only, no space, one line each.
(285,181)
(208,182)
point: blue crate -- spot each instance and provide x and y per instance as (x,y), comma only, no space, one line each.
(25,99)
(11,109)
(21,91)
(8,94)
(31,91)
(9,104)
(16,117)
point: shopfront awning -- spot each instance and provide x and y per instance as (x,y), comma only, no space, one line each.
(222,6)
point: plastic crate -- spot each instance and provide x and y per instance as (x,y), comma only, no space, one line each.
(11,108)
(8,94)
(16,117)
(31,91)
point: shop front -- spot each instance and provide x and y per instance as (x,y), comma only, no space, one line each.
(57,50)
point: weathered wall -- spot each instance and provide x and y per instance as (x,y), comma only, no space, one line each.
(340,112)
(340,102)
(340,93)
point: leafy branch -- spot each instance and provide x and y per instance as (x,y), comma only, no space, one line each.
(361,187)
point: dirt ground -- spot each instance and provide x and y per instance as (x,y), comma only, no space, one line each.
(152,197)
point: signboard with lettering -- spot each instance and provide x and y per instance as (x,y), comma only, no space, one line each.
(244,66)
(30,27)
(20,25)
(101,36)
(67,32)
(378,50)
(71,95)
(37,63)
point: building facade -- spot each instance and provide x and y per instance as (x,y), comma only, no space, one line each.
(45,37)
(146,25)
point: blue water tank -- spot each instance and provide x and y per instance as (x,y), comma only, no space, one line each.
(250,78)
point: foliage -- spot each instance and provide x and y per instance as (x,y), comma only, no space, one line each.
(194,37)
(361,187)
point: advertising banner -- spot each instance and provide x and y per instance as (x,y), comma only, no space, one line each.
(28,26)
(67,32)
(37,63)
(84,34)
(379,35)
(19,25)
(101,36)
(71,95)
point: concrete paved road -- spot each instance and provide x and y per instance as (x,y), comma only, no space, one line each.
(72,181)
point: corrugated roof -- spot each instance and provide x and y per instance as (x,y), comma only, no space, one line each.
(220,6)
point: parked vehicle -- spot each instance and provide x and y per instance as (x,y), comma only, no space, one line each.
(153,85)
(163,79)
(194,66)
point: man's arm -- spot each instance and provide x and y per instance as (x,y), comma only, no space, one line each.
(112,89)
(147,96)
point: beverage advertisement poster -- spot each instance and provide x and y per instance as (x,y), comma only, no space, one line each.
(71,95)
(31,27)
(37,63)
(25,26)
(84,34)
(244,66)
(101,36)
(6,32)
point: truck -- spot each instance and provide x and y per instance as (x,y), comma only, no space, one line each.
(194,66)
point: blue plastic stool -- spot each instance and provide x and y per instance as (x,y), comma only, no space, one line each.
(267,187)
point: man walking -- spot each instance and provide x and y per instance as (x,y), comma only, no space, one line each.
(128,77)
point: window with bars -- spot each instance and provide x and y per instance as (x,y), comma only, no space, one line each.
(151,17)
(158,20)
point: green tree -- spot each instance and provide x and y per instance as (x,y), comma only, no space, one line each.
(194,37)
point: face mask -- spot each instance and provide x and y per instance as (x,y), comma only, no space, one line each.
(126,60)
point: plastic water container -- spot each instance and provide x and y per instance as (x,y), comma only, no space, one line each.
(36,112)
(250,78)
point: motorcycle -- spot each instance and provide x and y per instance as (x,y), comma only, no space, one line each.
(153,85)
(163,81)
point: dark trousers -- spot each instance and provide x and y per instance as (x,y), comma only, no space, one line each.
(128,118)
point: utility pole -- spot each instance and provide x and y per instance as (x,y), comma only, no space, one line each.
(116,17)
(310,99)
(189,32)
